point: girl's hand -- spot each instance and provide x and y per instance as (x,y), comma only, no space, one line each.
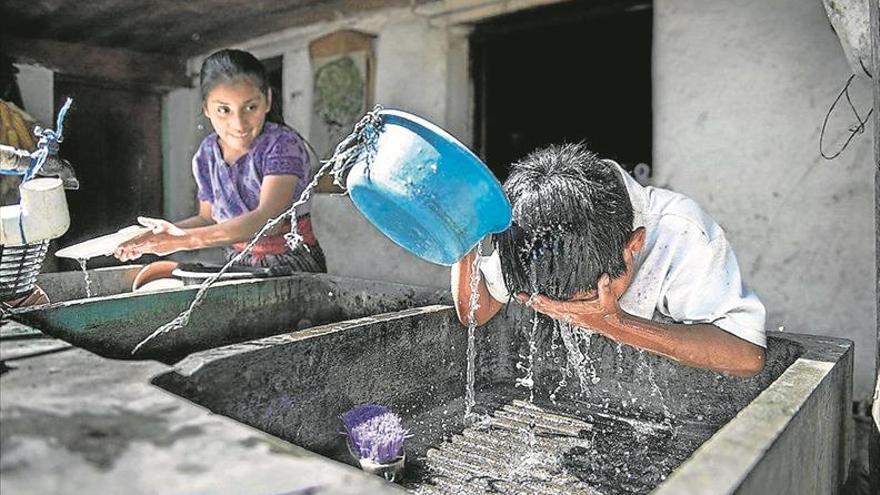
(147,243)
(159,226)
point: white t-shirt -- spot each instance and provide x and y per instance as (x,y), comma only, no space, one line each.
(686,272)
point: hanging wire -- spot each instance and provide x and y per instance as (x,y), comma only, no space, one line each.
(853,131)
(358,146)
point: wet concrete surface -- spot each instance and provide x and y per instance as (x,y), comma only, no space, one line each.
(113,323)
(73,422)
(642,415)
(75,416)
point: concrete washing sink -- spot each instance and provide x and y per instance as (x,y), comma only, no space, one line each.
(641,423)
(115,320)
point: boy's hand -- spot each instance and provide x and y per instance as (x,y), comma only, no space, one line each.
(592,309)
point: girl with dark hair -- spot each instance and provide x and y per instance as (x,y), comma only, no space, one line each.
(250,169)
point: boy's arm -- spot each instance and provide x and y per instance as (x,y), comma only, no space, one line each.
(487,306)
(701,345)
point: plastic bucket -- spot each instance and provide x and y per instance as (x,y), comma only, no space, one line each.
(425,190)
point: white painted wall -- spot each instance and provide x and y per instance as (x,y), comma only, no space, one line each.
(181,116)
(741,88)
(37,86)
(411,74)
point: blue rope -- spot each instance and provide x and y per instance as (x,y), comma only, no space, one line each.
(49,142)
(47,146)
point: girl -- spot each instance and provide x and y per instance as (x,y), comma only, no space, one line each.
(249,170)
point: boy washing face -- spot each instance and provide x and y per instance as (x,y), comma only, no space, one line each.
(643,266)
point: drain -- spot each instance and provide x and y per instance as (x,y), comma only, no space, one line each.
(523,448)
(519,449)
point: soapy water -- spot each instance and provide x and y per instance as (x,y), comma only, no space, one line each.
(86,278)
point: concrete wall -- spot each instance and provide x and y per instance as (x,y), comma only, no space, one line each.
(181,118)
(411,74)
(37,86)
(740,91)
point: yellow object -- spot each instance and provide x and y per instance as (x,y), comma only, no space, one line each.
(6,126)
(11,137)
(15,127)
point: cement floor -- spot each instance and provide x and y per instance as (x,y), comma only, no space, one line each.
(74,422)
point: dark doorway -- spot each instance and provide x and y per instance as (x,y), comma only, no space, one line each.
(579,71)
(113,138)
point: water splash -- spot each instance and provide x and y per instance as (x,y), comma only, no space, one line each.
(579,362)
(528,381)
(534,465)
(473,305)
(668,417)
(86,278)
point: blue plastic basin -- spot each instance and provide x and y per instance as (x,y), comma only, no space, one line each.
(426,191)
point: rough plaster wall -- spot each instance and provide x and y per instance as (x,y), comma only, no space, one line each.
(354,248)
(740,91)
(459,87)
(297,80)
(411,60)
(181,117)
(37,89)
(411,69)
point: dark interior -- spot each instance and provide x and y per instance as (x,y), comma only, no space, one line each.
(578,71)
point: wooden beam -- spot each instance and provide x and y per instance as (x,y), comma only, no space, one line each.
(257,22)
(103,64)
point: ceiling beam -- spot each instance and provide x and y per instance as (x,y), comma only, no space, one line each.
(113,65)
(256,23)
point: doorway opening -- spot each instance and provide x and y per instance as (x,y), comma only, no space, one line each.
(577,71)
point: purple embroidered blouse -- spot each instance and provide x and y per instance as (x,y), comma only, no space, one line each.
(234,190)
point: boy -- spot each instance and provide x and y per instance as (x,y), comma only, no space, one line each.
(641,265)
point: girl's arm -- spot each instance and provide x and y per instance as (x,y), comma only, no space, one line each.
(276,192)
(202,219)
(275,197)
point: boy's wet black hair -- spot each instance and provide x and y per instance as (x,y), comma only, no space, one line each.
(228,65)
(572,217)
